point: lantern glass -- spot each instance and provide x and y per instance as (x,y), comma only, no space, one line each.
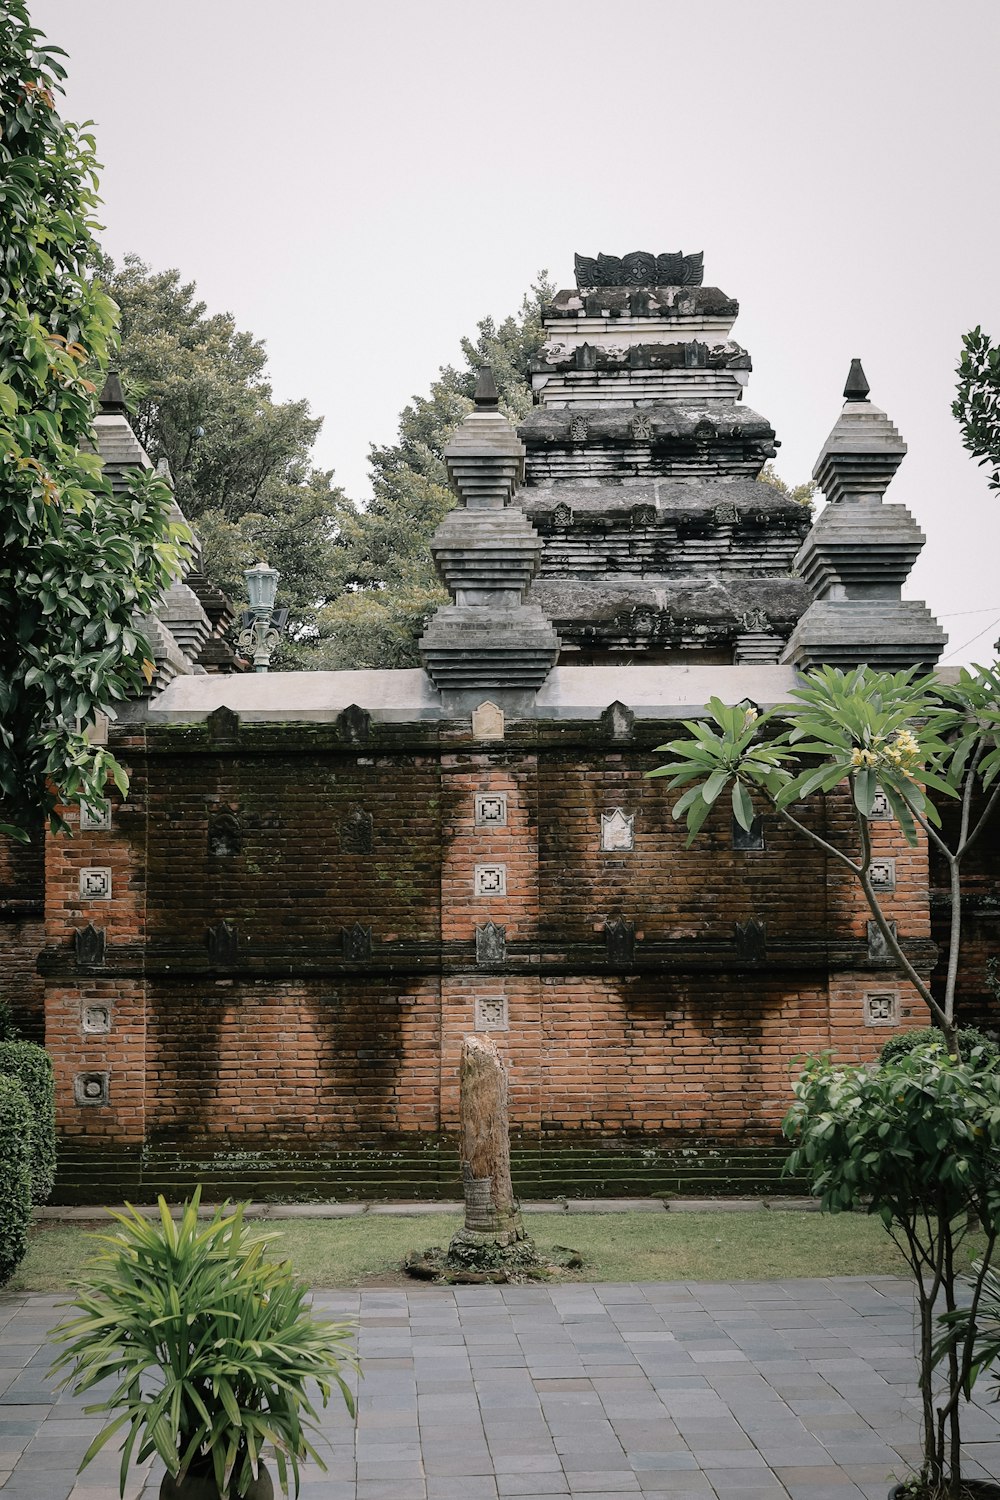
(262,585)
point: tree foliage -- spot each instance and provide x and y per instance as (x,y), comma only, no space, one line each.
(865,730)
(77,560)
(199,396)
(802,494)
(977,402)
(384,585)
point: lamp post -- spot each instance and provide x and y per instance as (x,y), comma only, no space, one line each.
(259,637)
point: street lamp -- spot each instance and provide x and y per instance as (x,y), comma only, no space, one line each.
(259,635)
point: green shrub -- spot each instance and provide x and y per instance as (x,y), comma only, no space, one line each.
(15,1175)
(915,1141)
(32,1067)
(9,1029)
(968,1037)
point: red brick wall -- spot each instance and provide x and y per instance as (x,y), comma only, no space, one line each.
(22,896)
(298,1048)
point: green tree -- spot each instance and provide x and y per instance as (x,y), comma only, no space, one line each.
(915,1141)
(862,730)
(977,401)
(384,585)
(803,493)
(77,560)
(241,463)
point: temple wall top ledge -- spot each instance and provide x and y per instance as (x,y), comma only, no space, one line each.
(647,691)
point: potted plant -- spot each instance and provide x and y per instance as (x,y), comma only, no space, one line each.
(213,1350)
(916,1141)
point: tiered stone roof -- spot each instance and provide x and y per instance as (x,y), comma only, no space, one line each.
(486,554)
(186,630)
(642,475)
(860,552)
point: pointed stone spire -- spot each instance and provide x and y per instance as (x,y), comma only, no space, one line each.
(859,552)
(112,397)
(487,553)
(485,458)
(857,386)
(863,451)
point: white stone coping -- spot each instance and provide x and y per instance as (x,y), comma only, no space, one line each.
(650,692)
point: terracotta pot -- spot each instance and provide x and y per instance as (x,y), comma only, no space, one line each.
(202,1486)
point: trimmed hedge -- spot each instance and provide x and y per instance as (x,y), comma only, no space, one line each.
(968,1037)
(15,1175)
(31,1065)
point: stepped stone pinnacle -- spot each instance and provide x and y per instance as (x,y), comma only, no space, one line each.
(863,451)
(484,459)
(860,552)
(487,552)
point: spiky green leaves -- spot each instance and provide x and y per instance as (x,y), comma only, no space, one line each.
(210,1345)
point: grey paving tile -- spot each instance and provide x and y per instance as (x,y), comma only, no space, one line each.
(685,1391)
(554,1483)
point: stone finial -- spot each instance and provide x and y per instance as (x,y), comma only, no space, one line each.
(863,451)
(113,397)
(640,268)
(486,396)
(857,386)
(485,457)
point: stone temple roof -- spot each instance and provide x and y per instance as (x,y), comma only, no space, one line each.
(184,636)
(655,535)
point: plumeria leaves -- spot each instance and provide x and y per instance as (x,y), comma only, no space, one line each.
(901,734)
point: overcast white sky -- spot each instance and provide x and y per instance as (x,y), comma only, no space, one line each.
(359,181)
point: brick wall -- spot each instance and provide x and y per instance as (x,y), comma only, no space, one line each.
(22,903)
(294,951)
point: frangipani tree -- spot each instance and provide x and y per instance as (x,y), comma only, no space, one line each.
(904,734)
(915,1140)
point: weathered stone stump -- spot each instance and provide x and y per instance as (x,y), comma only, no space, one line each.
(493,1234)
(492,1244)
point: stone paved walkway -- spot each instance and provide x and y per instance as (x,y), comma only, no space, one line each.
(682,1391)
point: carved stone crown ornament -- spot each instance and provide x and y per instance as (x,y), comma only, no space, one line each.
(639,268)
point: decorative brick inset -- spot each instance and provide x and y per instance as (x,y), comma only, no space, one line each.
(491,809)
(95,883)
(881,1008)
(748,840)
(617,830)
(96,1019)
(881,811)
(491,944)
(96,819)
(491,1013)
(491,880)
(487,722)
(91,1088)
(882,874)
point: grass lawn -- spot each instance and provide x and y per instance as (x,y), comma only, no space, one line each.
(615,1247)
